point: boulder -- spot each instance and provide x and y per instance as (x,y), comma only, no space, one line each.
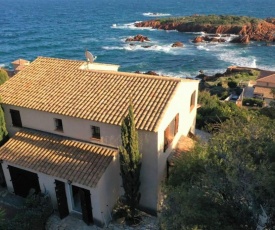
(198,39)
(177,44)
(138,38)
(152,73)
(241,39)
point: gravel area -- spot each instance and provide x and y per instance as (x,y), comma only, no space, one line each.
(72,222)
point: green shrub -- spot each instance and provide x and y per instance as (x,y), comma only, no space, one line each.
(232,84)
(253,102)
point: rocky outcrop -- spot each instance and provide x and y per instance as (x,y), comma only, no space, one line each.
(255,29)
(177,44)
(208,39)
(241,39)
(138,38)
(148,72)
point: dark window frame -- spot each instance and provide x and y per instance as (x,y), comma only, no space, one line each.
(170,132)
(58,125)
(95,132)
(16,118)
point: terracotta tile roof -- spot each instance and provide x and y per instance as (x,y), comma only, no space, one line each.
(266,92)
(59,86)
(57,156)
(20,62)
(268,79)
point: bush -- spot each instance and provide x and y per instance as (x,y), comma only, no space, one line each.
(253,102)
(37,209)
(232,84)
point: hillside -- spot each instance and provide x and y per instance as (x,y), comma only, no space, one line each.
(257,29)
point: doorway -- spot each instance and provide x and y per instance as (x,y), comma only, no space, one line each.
(81,203)
(24,181)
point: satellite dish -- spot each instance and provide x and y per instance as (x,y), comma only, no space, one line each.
(90,58)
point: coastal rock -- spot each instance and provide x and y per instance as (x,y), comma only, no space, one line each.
(255,29)
(148,72)
(177,44)
(241,39)
(151,73)
(198,39)
(138,38)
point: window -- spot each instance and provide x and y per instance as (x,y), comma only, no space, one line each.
(58,125)
(95,132)
(16,118)
(193,100)
(170,132)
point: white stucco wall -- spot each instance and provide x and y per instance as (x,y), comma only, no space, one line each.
(103,197)
(187,119)
(150,144)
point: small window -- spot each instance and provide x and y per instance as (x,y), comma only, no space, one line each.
(193,100)
(58,125)
(16,118)
(95,132)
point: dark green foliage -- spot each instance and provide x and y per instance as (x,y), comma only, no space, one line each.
(214,111)
(253,102)
(36,211)
(224,184)
(213,20)
(268,111)
(130,162)
(3,129)
(232,84)
(3,76)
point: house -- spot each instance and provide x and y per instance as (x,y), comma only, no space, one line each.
(64,120)
(19,64)
(263,86)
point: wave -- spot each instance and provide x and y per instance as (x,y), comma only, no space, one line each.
(130,26)
(2,65)
(147,47)
(150,14)
(87,40)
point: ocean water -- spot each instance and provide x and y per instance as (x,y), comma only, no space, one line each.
(66,28)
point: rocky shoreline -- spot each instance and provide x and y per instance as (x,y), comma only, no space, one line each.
(250,29)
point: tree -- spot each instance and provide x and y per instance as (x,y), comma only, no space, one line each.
(130,162)
(272,91)
(3,76)
(227,183)
(3,129)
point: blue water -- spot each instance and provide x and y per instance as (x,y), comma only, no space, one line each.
(65,28)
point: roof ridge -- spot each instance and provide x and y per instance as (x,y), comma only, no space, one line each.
(266,77)
(113,72)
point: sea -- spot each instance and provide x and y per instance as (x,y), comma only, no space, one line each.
(66,28)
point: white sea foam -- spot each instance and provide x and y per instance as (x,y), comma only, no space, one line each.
(130,26)
(203,47)
(2,65)
(150,14)
(234,58)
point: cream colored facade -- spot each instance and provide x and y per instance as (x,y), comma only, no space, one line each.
(151,143)
(165,110)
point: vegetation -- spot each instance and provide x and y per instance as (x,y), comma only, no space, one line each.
(37,209)
(228,183)
(214,111)
(3,76)
(130,163)
(253,102)
(3,129)
(213,20)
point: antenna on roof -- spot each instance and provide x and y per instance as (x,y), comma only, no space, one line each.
(90,58)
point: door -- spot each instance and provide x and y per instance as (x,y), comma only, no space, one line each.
(85,199)
(61,197)
(23,181)
(2,177)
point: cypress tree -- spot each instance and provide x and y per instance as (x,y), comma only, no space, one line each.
(130,162)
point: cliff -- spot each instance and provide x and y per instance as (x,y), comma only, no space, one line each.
(256,29)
